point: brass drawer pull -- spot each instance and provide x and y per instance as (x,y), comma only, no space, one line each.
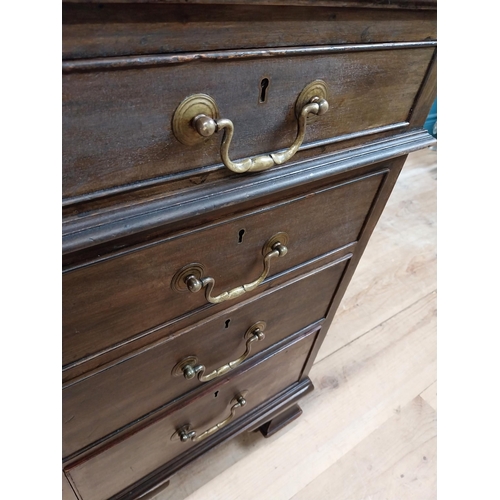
(185,434)
(190,277)
(197,117)
(189,368)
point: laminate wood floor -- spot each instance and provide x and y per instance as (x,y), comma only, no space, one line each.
(368,430)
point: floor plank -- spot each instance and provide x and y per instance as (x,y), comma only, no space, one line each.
(412,478)
(387,460)
(430,395)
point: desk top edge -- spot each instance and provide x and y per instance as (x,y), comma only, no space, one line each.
(370,4)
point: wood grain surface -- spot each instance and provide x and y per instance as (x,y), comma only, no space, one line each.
(145,449)
(110,399)
(100,306)
(390,4)
(139,206)
(124,135)
(95,30)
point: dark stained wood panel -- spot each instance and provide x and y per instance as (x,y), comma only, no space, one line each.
(97,30)
(131,458)
(138,206)
(117,124)
(426,96)
(86,367)
(119,395)
(101,303)
(391,4)
(93,235)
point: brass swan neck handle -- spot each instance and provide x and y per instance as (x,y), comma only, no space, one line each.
(195,284)
(185,434)
(207,126)
(190,128)
(191,277)
(189,367)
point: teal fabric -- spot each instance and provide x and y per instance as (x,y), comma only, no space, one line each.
(431,121)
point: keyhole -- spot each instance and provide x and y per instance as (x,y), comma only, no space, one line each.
(241,233)
(264,84)
(227,323)
(216,393)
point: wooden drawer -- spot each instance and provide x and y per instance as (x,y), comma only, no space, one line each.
(118,299)
(99,476)
(117,114)
(108,400)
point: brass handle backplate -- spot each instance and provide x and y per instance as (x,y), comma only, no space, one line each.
(185,434)
(191,278)
(197,117)
(189,367)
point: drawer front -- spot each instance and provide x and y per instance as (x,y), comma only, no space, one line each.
(114,300)
(117,125)
(104,474)
(102,403)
